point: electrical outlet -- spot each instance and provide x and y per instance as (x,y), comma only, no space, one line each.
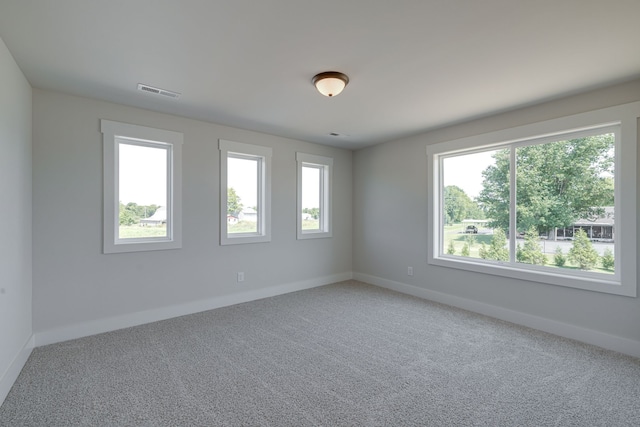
(409,271)
(240,276)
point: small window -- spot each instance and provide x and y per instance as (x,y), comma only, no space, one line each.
(540,202)
(142,183)
(314,196)
(245,193)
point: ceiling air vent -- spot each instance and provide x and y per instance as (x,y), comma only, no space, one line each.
(157,91)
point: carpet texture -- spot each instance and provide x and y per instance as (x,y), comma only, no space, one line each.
(347,354)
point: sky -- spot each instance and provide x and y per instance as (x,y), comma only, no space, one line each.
(466,171)
(311,187)
(242,176)
(143,175)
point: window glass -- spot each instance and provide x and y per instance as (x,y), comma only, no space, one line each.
(311,197)
(314,196)
(466,227)
(245,193)
(565,204)
(142,191)
(243,184)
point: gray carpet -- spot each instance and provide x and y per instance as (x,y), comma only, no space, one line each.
(347,354)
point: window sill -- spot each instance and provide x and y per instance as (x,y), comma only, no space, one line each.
(587,281)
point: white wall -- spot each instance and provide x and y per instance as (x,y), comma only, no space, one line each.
(390,234)
(15,217)
(79,291)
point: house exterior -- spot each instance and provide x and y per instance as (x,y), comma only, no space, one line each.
(248,214)
(158,218)
(600,229)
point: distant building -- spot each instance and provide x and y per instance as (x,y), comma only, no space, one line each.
(248,214)
(158,218)
(600,228)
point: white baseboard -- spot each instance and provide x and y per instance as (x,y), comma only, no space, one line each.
(11,374)
(589,336)
(134,319)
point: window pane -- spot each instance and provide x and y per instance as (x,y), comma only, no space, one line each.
(311,197)
(142,191)
(243,210)
(471,226)
(565,203)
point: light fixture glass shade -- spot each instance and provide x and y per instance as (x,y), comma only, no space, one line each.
(330,83)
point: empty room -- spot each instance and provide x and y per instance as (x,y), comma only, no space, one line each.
(347,213)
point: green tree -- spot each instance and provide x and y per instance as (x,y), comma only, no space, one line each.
(127,216)
(470,239)
(149,210)
(494,196)
(483,252)
(557,183)
(607,260)
(234,204)
(314,212)
(582,252)
(131,213)
(496,250)
(559,258)
(465,250)
(451,249)
(531,252)
(458,205)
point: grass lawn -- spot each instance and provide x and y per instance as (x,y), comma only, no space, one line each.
(252,227)
(243,227)
(138,231)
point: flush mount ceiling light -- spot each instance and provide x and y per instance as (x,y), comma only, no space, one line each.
(330,83)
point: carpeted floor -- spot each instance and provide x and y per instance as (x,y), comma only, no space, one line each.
(347,354)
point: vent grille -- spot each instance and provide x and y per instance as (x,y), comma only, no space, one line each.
(157,91)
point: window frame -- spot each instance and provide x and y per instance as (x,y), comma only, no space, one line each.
(621,283)
(325,165)
(115,133)
(263,155)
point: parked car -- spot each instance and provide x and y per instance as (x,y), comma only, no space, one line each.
(471,229)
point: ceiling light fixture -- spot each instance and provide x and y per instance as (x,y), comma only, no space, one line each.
(330,83)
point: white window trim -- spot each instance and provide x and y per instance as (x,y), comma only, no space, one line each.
(112,133)
(625,197)
(325,164)
(264,198)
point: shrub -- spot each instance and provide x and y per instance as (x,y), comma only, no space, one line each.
(470,239)
(559,259)
(465,250)
(484,253)
(451,249)
(607,260)
(496,250)
(531,253)
(582,252)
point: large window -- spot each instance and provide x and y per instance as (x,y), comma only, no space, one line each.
(245,193)
(314,196)
(142,183)
(545,202)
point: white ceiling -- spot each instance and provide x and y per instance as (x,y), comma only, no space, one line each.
(413,65)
